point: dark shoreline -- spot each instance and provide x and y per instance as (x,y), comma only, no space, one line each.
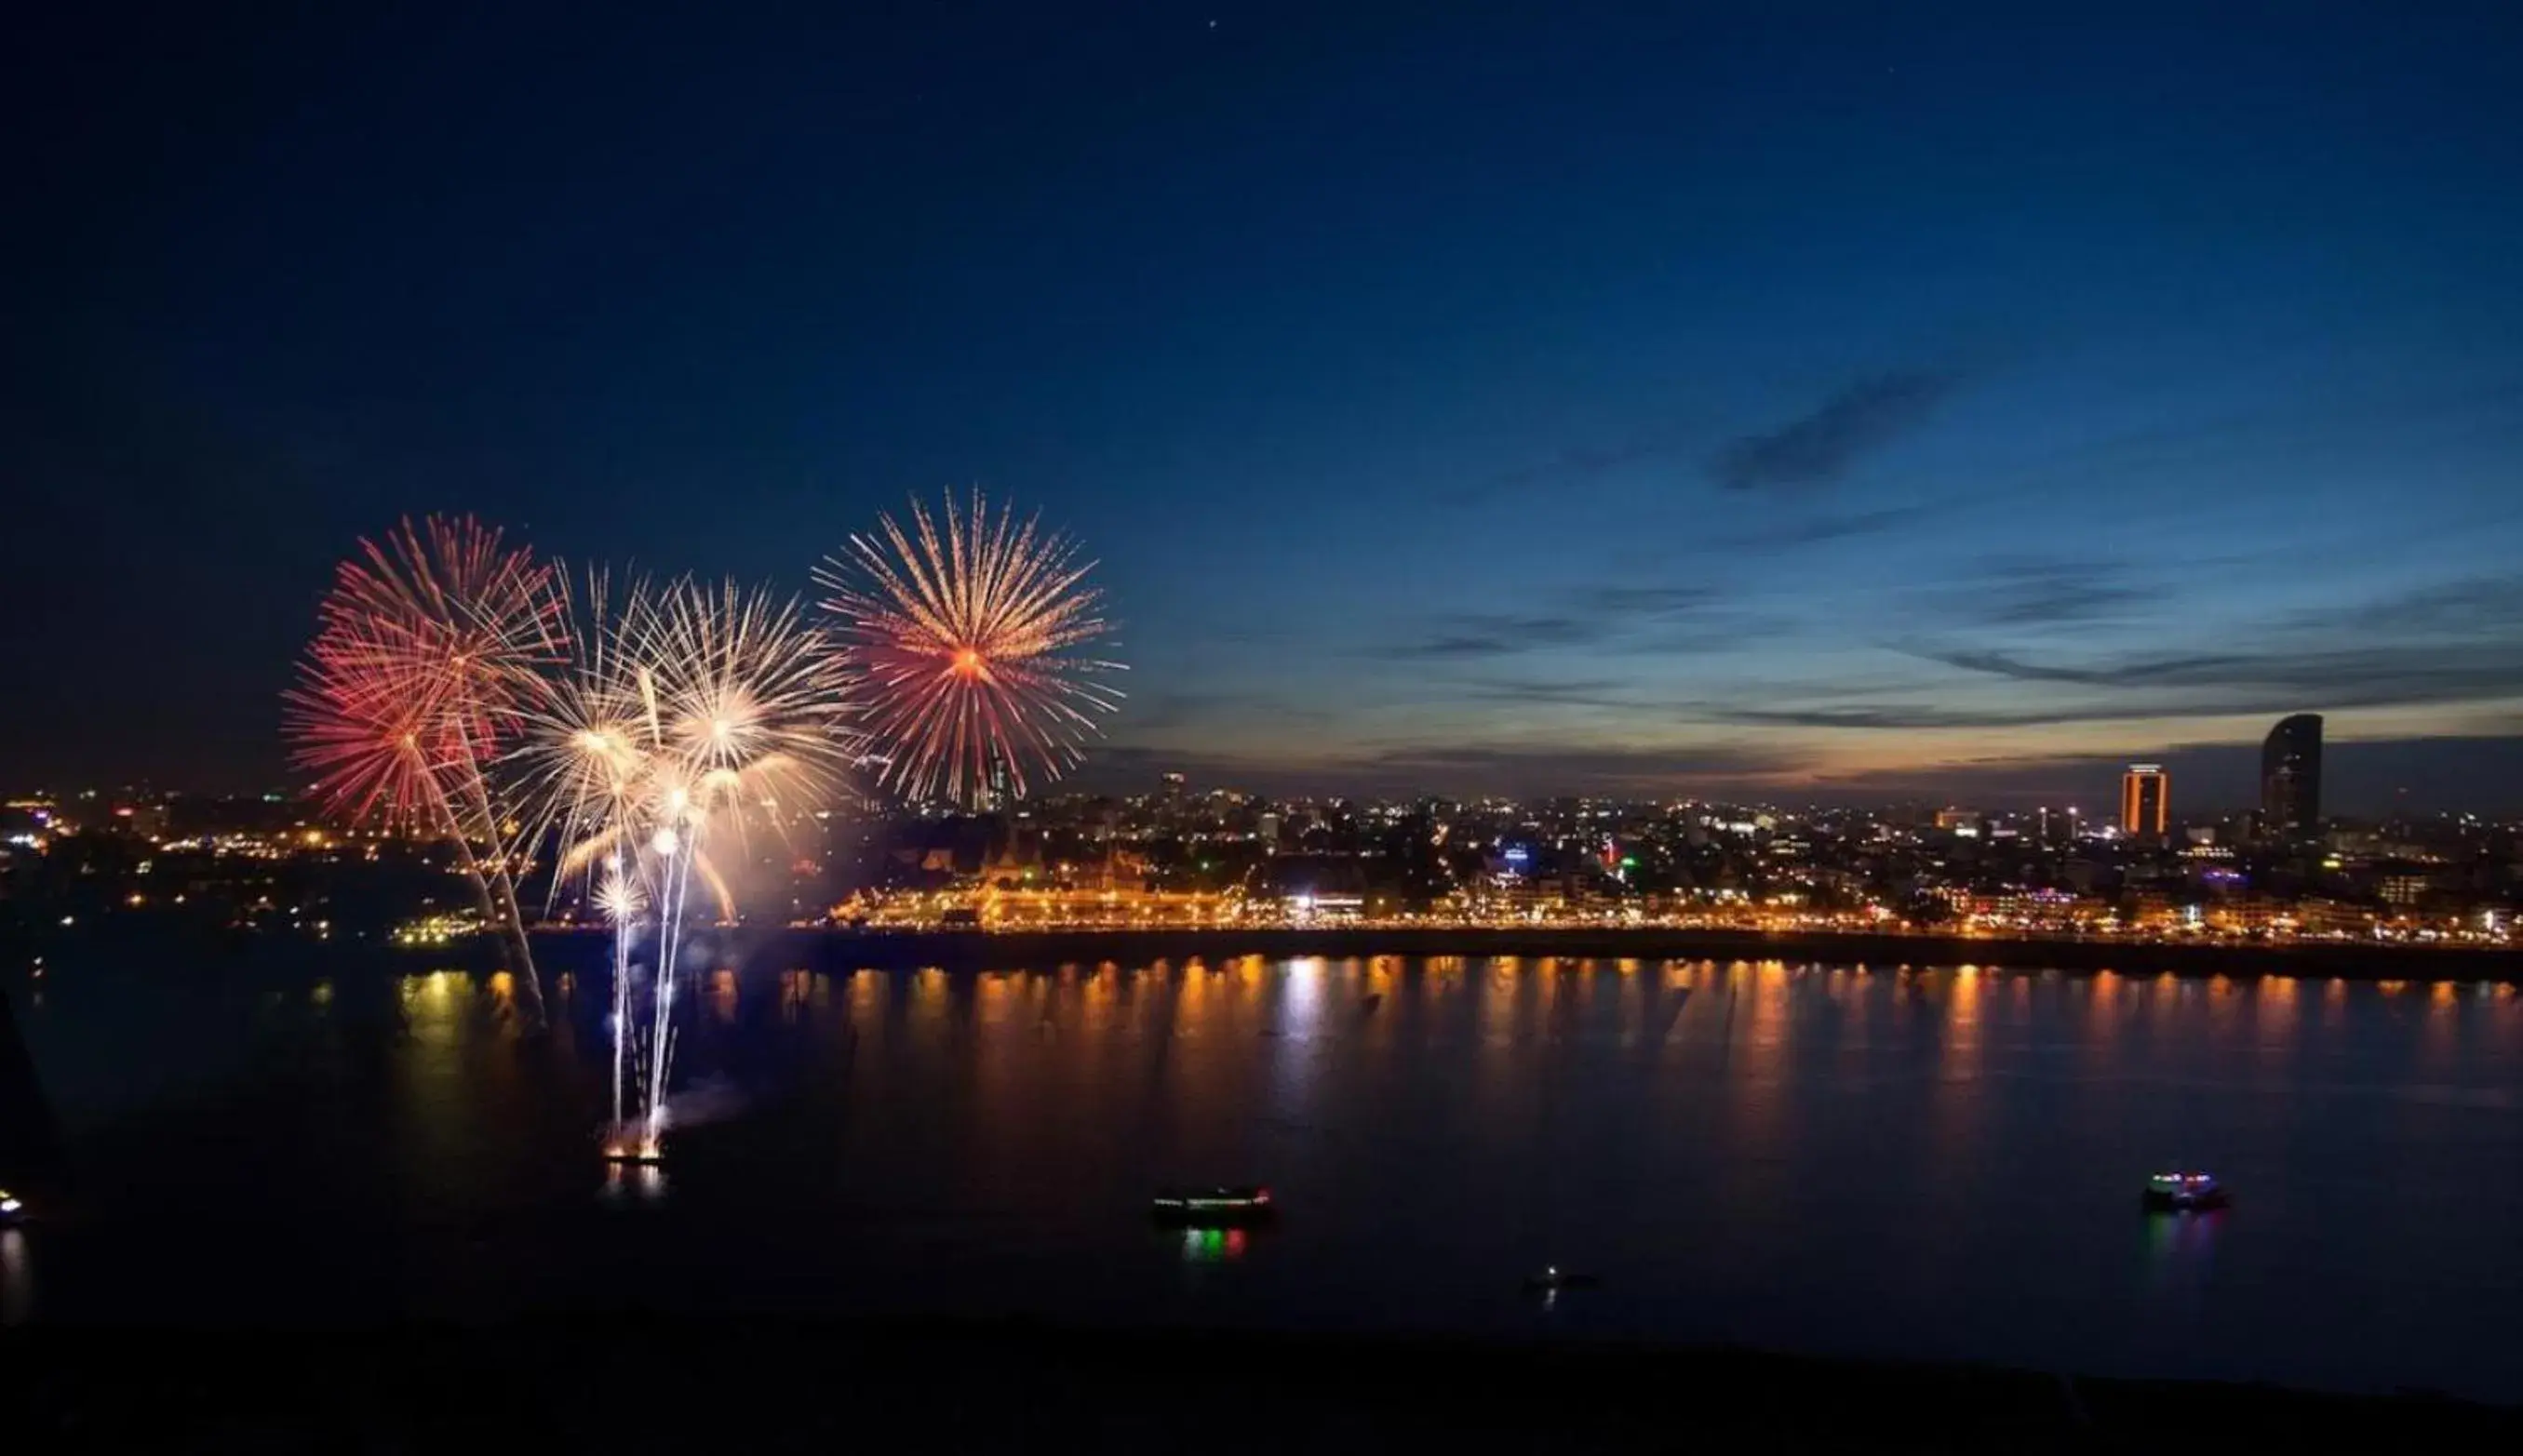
(590,1383)
(973,949)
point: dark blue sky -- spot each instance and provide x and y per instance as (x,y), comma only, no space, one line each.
(1810,400)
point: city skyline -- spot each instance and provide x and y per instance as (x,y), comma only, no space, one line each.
(1567,408)
(2283,795)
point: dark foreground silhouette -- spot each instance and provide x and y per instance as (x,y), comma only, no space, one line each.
(635,1383)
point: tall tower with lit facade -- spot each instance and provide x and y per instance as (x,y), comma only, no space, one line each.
(2146,800)
(2291,775)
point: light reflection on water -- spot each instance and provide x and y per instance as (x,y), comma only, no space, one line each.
(633,1183)
(16,1279)
(1213,1245)
(1932,1162)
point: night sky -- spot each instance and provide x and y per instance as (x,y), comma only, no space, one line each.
(1783,402)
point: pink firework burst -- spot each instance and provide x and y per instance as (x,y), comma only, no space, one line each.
(961,637)
(429,646)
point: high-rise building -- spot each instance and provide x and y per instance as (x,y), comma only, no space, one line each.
(1171,788)
(2291,776)
(2146,800)
(1001,792)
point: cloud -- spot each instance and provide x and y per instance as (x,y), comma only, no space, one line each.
(2471,604)
(1585,617)
(2444,644)
(2040,594)
(2140,672)
(1892,716)
(1578,693)
(2316,677)
(1819,447)
(1486,634)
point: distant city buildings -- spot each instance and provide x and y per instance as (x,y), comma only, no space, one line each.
(72,864)
(2291,776)
(2146,793)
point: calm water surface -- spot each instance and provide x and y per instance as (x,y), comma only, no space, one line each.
(1934,1164)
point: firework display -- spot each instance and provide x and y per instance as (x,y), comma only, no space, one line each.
(963,636)
(639,743)
(586,780)
(428,647)
(691,719)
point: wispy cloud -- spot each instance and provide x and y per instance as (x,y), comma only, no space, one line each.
(1488,635)
(1590,616)
(2281,679)
(1571,693)
(1822,446)
(2440,645)
(1899,717)
(2472,605)
(2021,593)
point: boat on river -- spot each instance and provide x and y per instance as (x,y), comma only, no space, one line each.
(2183,1192)
(1213,1207)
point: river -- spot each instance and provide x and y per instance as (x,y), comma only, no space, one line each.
(1931,1164)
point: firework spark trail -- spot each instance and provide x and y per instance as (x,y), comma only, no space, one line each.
(965,647)
(661,1032)
(618,897)
(692,716)
(428,648)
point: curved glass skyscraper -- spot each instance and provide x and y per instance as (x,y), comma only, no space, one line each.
(2291,775)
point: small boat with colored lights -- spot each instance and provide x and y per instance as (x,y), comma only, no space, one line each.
(2183,1192)
(1213,1207)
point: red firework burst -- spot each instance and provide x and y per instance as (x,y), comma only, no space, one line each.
(961,647)
(430,642)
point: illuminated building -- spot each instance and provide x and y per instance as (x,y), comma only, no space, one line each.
(2146,793)
(2405,888)
(1000,794)
(2291,775)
